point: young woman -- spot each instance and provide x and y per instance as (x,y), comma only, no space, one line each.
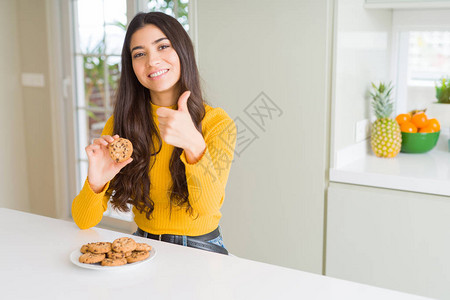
(182,147)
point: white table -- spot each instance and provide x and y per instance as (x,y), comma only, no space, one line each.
(34,264)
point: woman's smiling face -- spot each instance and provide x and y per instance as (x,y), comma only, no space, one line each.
(155,62)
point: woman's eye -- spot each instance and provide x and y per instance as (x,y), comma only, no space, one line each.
(162,47)
(138,55)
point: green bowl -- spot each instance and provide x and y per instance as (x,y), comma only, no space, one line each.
(419,142)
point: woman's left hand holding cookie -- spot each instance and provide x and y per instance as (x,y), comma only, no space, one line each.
(177,128)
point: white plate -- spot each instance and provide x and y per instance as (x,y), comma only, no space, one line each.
(75,255)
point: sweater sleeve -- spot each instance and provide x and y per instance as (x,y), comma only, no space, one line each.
(207,178)
(88,207)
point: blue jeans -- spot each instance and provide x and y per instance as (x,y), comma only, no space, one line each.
(217,241)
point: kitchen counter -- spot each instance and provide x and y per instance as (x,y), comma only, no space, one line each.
(425,173)
(35,264)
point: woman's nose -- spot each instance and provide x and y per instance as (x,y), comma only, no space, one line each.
(153,59)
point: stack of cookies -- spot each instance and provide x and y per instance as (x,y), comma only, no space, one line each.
(120,252)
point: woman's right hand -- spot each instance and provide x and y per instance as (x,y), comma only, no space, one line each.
(102,168)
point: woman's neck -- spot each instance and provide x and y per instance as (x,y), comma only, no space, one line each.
(166,98)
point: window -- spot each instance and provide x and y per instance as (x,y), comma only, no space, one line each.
(422,52)
(426,60)
(99,33)
(99,30)
(428,56)
(177,9)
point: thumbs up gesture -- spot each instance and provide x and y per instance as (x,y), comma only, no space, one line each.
(177,128)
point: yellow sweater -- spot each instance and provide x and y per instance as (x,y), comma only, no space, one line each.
(206,181)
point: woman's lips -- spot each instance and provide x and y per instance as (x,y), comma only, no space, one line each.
(158,74)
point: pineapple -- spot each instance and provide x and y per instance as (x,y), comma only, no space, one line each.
(386,138)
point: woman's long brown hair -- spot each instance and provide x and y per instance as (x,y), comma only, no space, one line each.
(133,120)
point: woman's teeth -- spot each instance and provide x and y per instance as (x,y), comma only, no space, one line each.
(158,73)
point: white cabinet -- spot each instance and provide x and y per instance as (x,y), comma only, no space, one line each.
(391,239)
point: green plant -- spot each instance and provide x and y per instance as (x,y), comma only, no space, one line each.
(443,91)
(94,62)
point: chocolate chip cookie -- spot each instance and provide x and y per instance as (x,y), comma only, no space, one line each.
(124,244)
(143,247)
(110,262)
(137,256)
(84,249)
(115,255)
(120,150)
(99,247)
(91,258)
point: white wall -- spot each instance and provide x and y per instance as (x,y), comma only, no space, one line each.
(420,97)
(34,58)
(363,48)
(27,176)
(13,175)
(274,206)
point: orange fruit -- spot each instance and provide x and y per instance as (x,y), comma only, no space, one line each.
(408,127)
(402,118)
(420,120)
(426,129)
(434,124)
